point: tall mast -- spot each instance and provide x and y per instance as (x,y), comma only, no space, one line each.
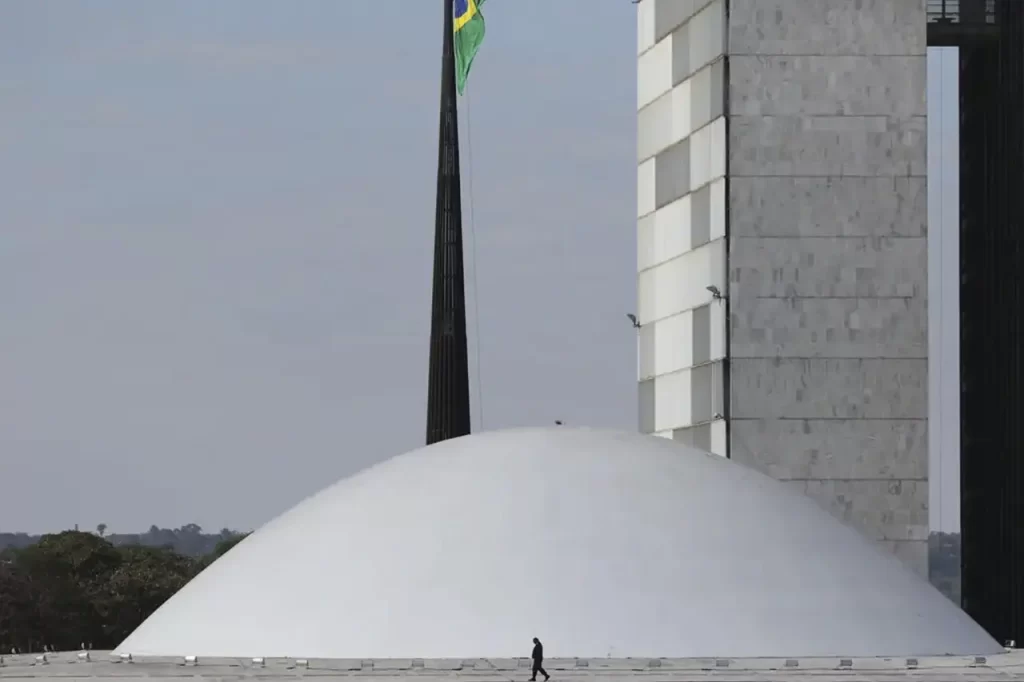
(448,387)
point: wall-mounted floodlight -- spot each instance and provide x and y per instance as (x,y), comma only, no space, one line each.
(632,318)
(715,292)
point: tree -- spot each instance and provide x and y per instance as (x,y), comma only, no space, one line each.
(188,540)
(21,610)
(101,529)
(68,571)
(227,544)
(222,548)
(144,580)
(72,587)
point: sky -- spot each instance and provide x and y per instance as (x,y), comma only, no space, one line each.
(217,242)
(217,239)
(944,288)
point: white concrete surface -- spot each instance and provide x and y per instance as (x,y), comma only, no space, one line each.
(603,544)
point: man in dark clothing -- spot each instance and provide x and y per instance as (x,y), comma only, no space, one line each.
(538,661)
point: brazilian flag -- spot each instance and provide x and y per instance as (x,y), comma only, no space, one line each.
(469,33)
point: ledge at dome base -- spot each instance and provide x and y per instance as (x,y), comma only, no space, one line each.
(106,665)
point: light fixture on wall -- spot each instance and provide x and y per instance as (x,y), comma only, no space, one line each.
(715,292)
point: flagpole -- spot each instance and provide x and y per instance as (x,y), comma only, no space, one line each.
(448,409)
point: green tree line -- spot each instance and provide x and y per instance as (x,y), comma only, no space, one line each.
(71,589)
(189,539)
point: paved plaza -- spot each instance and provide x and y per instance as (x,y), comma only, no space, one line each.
(103,665)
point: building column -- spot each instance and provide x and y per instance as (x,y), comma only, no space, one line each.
(681,152)
(813,116)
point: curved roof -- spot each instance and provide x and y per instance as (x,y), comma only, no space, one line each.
(602,544)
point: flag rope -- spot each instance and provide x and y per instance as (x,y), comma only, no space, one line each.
(473,250)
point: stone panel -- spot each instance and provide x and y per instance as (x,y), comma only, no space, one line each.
(700,221)
(807,448)
(706,392)
(857,388)
(654,127)
(669,14)
(886,510)
(868,146)
(701,342)
(830,327)
(800,267)
(646,405)
(681,54)
(644,27)
(654,73)
(697,436)
(706,94)
(645,182)
(827,27)
(648,360)
(681,283)
(664,234)
(828,207)
(828,256)
(827,86)
(706,35)
(672,173)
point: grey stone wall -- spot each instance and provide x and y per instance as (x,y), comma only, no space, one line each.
(827,258)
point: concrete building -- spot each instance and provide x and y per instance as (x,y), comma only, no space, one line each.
(606,545)
(781,162)
(986,38)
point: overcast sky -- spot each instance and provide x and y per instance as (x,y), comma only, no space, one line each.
(944,287)
(217,240)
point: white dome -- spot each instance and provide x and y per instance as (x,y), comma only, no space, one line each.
(602,544)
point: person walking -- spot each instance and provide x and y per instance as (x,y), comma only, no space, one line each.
(538,661)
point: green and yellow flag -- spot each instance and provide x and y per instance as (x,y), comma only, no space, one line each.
(469,33)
